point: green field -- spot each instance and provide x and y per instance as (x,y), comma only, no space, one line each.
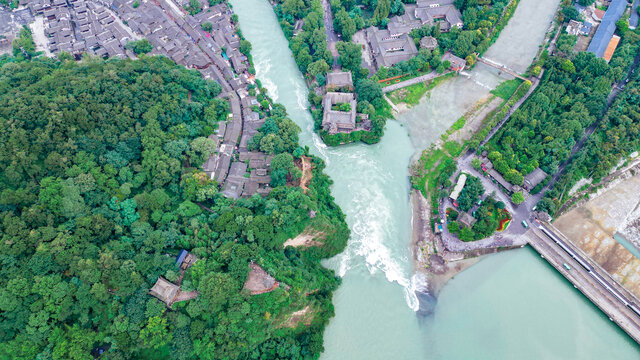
(506,88)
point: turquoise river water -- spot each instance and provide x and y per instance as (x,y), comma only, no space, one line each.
(508,306)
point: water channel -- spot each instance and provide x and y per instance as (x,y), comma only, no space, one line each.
(511,305)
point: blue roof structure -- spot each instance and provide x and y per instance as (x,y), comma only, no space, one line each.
(633,19)
(181,256)
(586,27)
(607,27)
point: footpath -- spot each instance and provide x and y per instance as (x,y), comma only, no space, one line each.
(422,78)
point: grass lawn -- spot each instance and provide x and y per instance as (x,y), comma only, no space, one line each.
(453,148)
(411,95)
(506,88)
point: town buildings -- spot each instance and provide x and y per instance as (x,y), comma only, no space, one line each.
(429,43)
(602,40)
(335,118)
(339,105)
(462,179)
(393,45)
(578,28)
(455,63)
(105,27)
(534,178)
(388,49)
(82,26)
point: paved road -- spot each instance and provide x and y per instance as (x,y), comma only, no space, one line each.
(534,84)
(592,281)
(332,37)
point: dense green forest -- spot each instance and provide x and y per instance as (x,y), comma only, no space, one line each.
(571,97)
(617,136)
(100,188)
(542,132)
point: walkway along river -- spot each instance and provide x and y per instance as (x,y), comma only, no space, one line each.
(510,305)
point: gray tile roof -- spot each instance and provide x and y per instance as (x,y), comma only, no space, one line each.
(607,27)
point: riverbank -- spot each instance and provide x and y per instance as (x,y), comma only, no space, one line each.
(432,261)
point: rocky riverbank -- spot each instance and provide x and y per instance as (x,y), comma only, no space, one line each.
(432,261)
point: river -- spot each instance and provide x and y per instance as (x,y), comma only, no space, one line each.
(511,305)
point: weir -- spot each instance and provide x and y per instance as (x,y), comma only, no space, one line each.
(500,67)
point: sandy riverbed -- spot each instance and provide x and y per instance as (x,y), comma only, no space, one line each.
(592,225)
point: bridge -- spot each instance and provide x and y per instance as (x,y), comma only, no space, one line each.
(588,277)
(500,67)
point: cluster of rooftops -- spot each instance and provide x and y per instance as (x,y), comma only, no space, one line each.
(340,105)
(104,27)
(81,26)
(604,42)
(393,45)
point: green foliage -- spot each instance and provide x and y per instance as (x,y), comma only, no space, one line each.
(282,167)
(206,26)
(278,134)
(517,198)
(23,46)
(100,188)
(506,88)
(617,134)
(471,193)
(344,24)
(193,7)
(570,13)
(350,56)
(382,11)
(463,46)
(543,130)
(623,25)
(453,148)
(488,217)
(310,45)
(565,44)
(245,47)
(142,46)
(476,163)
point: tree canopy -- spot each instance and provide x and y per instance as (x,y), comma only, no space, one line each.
(101,187)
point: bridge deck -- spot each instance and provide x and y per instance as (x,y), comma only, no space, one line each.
(585,281)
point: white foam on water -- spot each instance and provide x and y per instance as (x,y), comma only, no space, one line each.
(373,228)
(372,225)
(262,70)
(301,94)
(473,78)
